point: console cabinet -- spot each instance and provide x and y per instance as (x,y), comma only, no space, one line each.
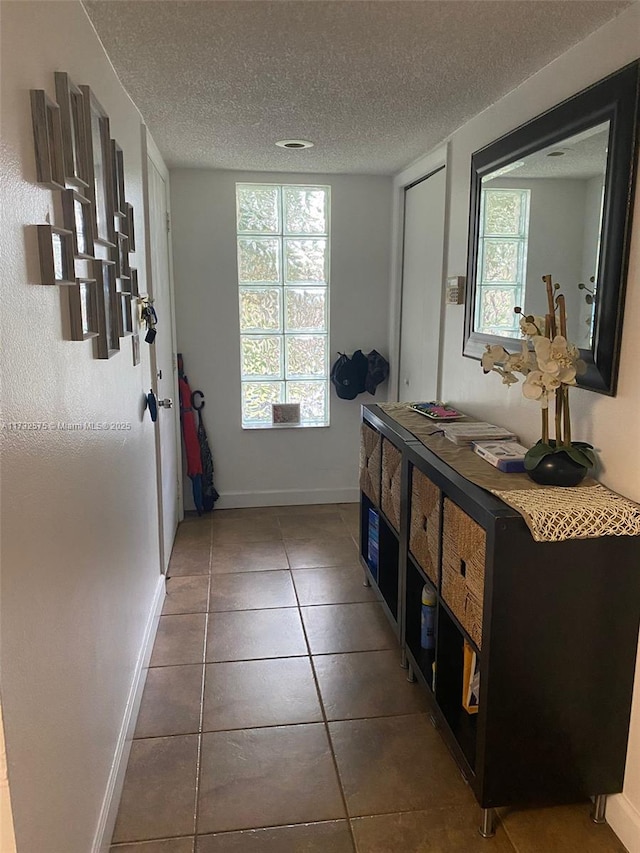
(553,627)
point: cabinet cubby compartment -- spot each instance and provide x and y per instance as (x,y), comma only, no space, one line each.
(449,682)
(422,658)
(386,577)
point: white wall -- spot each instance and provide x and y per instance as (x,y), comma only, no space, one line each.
(80,561)
(556,239)
(612,425)
(591,254)
(293,465)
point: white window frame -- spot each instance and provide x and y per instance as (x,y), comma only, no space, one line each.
(521,241)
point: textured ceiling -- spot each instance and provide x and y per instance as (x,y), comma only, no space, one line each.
(584,157)
(373,84)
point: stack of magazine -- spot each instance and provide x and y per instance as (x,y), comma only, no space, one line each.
(467,433)
(436,410)
(507,456)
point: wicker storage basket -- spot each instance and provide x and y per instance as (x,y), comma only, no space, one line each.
(463,560)
(424,531)
(391,476)
(370,463)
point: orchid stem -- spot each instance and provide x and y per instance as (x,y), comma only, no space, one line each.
(558,407)
(567,419)
(563,316)
(545,426)
(551,330)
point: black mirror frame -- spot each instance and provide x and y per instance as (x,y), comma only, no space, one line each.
(613,99)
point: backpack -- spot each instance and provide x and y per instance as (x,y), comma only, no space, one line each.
(349,374)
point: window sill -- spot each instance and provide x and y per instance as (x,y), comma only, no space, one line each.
(285,426)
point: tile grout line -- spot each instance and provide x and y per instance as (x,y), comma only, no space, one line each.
(325,722)
(276,657)
(250,828)
(196,805)
(278,725)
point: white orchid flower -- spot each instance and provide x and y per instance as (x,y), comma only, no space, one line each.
(542,348)
(508,378)
(567,375)
(550,382)
(534,388)
(532,326)
(494,355)
(549,367)
(554,357)
(522,362)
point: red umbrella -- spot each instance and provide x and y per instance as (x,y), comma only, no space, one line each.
(190,437)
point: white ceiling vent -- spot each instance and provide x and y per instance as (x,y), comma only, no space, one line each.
(294,143)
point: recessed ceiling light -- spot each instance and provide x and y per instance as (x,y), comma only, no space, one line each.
(294,143)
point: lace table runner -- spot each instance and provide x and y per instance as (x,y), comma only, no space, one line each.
(551,513)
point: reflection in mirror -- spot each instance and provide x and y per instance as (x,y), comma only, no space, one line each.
(538,213)
(554,197)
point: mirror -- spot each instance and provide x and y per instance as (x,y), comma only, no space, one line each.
(554,196)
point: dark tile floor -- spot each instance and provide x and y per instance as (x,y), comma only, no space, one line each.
(276,717)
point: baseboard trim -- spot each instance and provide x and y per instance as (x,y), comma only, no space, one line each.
(109,810)
(292,497)
(624,819)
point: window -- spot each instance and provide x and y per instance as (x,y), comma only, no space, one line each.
(283,280)
(502,259)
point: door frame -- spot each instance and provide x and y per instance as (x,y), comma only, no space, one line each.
(150,153)
(418,171)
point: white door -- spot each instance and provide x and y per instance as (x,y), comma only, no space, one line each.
(163,362)
(422,286)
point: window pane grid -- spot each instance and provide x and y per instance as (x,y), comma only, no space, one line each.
(502,259)
(283,277)
(261,309)
(259,260)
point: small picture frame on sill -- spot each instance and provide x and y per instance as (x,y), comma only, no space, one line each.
(83,310)
(55,246)
(285,414)
(47,138)
(76,216)
(100,189)
(117,177)
(74,146)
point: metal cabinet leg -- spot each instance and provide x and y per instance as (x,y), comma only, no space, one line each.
(487,826)
(410,674)
(366,581)
(599,808)
(403,659)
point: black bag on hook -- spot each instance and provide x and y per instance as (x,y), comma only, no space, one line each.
(349,374)
(377,370)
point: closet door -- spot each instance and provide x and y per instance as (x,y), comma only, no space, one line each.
(422,287)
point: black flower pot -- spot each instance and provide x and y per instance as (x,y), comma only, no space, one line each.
(558,469)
